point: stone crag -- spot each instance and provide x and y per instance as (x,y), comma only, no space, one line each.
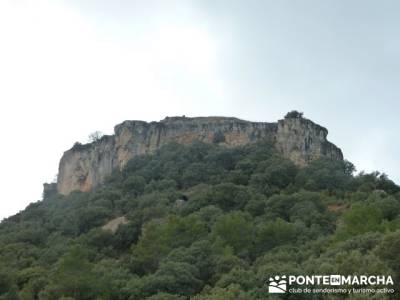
(86,166)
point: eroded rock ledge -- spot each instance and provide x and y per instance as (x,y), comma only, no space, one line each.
(86,166)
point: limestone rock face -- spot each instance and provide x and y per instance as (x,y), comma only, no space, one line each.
(86,166)
(302,141)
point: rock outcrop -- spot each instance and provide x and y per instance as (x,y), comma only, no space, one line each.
(113,225)
(86,166)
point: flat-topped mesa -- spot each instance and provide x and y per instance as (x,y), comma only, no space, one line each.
(86,166)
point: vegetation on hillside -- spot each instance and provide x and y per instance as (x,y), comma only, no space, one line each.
(205,222)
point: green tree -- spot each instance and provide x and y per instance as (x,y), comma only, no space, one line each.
(160,237)
(325,173)
(235,229)
(134,185)
(388,250)
(273,174)
(228,196)
(294,114)
(74,277)
(7,280)
(90,217)
(274,233)
(360,219)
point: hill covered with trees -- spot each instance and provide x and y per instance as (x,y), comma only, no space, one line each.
(203,222)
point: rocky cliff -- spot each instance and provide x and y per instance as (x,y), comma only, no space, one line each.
(86,166)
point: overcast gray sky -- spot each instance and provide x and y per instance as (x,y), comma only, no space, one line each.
(68,68)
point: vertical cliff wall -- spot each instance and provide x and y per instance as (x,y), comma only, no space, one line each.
(302,141)
(86,166)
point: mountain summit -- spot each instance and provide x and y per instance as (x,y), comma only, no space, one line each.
(86,166)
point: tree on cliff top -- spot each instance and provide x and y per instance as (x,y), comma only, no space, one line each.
(95,136)
(294,114)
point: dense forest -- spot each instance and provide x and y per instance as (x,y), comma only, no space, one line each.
(203,222)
